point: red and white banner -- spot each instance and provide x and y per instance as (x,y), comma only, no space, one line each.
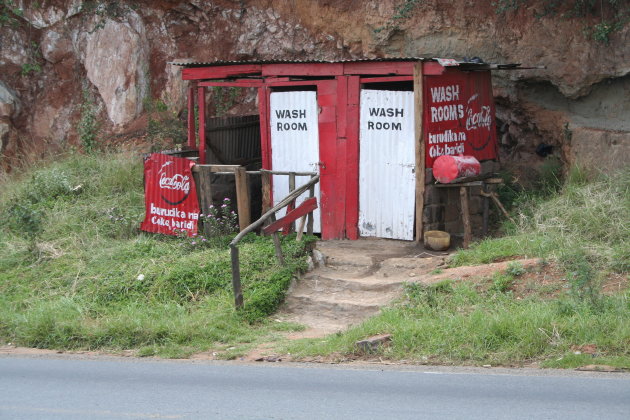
(459,117)
(170,196)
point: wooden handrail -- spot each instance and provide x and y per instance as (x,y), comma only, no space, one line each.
(236,270)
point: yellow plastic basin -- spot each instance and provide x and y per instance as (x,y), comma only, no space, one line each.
(437,240)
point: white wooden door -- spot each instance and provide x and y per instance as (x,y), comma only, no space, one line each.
(294,142)
(387,164)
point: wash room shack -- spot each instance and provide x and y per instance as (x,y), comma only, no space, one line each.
(372,129)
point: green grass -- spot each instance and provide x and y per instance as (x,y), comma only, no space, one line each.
(77,274)
(457,323)
(588,218)
(583,226)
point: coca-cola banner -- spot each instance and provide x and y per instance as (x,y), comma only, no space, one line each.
(170,196)
(459,117)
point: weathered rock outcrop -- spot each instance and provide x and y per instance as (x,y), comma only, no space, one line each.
(117,51)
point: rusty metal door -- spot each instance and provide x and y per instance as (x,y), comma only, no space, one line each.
(294,142)
(386,164)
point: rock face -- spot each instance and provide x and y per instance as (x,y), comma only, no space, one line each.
(116,62)
(57,50)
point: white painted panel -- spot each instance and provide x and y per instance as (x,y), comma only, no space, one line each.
(294,142)
(387,164)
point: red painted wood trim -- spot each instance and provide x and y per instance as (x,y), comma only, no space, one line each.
(303,69)
(332,224)
(387,79)
(236,83)
(340,174)
(384,68)
(303,209)
(265,140)
(352,158)
(220,72)
(201,102)
(192,139)
(432,68)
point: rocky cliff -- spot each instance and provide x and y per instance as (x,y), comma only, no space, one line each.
(71,67)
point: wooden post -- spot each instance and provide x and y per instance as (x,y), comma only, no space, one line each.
(291,189)
(418,101)
(242,198)
(276,243)
(266,191)
(236,277)
(300,231)
(463,196)
(203,182)
(486,209)
(309,225)
(192,139)
(201,102)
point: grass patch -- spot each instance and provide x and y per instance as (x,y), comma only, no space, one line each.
(77,273)
(460,323)
(586,218)
(583,226)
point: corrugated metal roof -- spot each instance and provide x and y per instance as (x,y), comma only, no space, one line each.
(475,63)
(288,61)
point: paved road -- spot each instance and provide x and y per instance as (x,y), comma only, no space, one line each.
(39,388)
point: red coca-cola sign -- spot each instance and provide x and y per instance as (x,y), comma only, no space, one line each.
(459,116)
(171,205)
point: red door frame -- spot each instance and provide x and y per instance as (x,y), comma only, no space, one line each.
(333,217)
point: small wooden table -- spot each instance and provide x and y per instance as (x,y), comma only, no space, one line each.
(463,184)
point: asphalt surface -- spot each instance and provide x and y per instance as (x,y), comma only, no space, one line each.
(67,388)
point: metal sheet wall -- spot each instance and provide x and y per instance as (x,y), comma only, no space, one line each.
(386,164)
(294,142)
(233,140)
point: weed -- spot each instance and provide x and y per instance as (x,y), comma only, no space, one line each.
(502,282)
(224,98)
(10,13)
(515,269)
(88,127)
(220,221)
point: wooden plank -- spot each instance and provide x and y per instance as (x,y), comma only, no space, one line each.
(217,168)
(418,93)
(332,224)
(300,231)
(303,209)
(310,217)
(461,184)
(291,227)
(219,72)
(381,67)
(303,69)
(242,198)
(387,79)
(486,210)
(463,196)
(276,242)
(203,182)
(433,68)
(235,83)
(311,174)
(236,278)
(266,191)
(201,104)
(352,158)
(341,155)
(192,139)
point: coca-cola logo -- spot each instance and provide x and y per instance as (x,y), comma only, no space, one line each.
(174,181)
(477,118)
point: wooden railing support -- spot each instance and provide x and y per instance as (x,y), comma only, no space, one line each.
(270,214)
